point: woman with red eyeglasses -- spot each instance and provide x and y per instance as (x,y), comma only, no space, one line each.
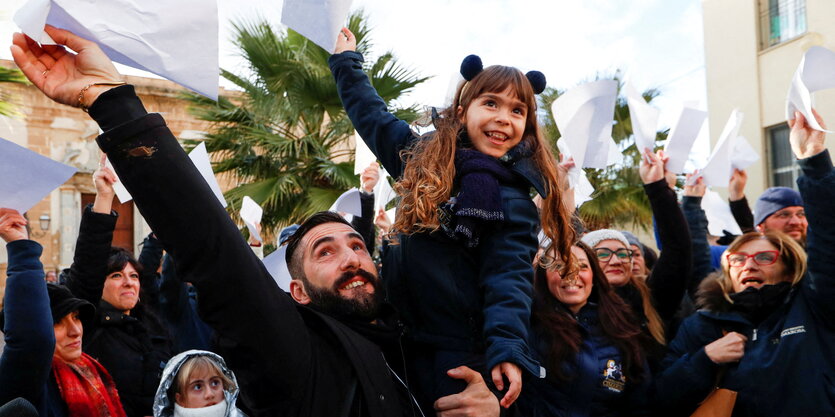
(766,328)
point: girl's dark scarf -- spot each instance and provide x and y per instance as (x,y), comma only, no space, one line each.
(87,388)
(478,205)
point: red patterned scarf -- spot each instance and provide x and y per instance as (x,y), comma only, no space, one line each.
(87,388)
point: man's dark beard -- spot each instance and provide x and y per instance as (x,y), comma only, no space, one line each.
(329,301)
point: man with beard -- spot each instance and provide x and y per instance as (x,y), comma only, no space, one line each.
(781,209)
(292,357)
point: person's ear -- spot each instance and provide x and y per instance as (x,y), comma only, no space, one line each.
(760,228)
(177,399)
(459,112)
(298,292)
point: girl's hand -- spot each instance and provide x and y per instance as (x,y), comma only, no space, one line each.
(345,41)
(513,374)
(652,167)
(804,140)
(12,225)
(62,74)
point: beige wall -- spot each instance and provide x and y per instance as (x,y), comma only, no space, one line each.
(740,75)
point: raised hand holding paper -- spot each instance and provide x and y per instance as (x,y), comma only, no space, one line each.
(584,116)
(717,171)
(317,20)
(146,35)
(27,176)
(577,179)
(682,136)
(816,72)
(251,214)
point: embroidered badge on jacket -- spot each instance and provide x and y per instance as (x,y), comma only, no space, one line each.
(613,377)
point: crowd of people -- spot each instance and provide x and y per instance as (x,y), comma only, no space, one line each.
(467,312)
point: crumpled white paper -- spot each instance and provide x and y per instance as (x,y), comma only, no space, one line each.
(584,116)
(717,171)
(317,20)
(816,72)
(719,216)
(577,178)
(251,214)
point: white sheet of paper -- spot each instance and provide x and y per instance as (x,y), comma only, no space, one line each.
(392,214)
(383,193)
(577,179)
(277,267)
(682,137)
(27,176)
(644,119)
(584,116)
(349,202)
(176,39)
(251,214)
(717,171)
(816,72)
(719,216)
(200,157)
(363,157)
(743,154)
(317,20)
(121,192)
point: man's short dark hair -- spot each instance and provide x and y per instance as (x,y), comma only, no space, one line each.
(294,264)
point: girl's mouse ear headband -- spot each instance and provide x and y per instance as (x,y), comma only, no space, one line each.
(471,66)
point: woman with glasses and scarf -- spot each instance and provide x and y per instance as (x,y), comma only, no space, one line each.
(766,328)
(656,298)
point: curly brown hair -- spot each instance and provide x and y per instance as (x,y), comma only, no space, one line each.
(429,174)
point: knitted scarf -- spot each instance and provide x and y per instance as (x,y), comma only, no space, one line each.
(87,388)
(479,201)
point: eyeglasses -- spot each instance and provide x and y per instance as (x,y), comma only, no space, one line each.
(605,254)
(762,258)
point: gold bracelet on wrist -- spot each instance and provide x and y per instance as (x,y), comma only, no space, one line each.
(87,87)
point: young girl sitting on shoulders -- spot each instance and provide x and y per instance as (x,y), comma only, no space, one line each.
(197,383)
(460,273)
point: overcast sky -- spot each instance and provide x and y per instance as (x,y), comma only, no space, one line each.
(658,43)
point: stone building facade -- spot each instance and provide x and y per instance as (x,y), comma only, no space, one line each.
(68,135)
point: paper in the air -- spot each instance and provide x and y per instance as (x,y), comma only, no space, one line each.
(719,216)
(577,179)
(682,137)
(644,119)
(200,157)
(175,39)
(348,202)
(717,171)
(27,177)
(276,265)
(816,72)
(251,214)
(584,116)
(363,157)
(383,192)
(743,154)
(121,192)
(317,20)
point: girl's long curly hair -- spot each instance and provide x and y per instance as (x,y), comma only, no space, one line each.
(561,331)
(428,178)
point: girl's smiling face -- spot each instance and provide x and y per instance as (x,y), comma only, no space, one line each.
(495,122)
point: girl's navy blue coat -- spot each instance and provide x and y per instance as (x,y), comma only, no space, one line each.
(452,298)
(789,364)
(598,387)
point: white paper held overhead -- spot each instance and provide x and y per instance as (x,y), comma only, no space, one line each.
(317,20)
(577,179)
(682,136)
(717,171)
(816,72)
(719,216)
(743,154)
(176,39)
(27,176)
(363,157)
(276,265)
(348,202)
(644,119)
(121,192)
(251,214)
(200,157)
(584,116)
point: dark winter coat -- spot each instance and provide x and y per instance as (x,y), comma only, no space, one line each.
(134,348)
(598,387)
(476,301)
(26,364)
(788,368)
(289,359)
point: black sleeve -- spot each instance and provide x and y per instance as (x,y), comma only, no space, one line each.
(668,279)
(89,266)
(742,214)
(238,298)
(365,224)
(697,224)
(150,258)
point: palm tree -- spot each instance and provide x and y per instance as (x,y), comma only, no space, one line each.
(285,138)
(619,198)
(9,75)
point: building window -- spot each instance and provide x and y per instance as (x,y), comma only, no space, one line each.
(784,168)
(781,20)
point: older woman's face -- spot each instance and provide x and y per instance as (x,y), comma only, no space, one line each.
(68,334)
(121,289)
(618,269)
(574,291)
(753,274)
